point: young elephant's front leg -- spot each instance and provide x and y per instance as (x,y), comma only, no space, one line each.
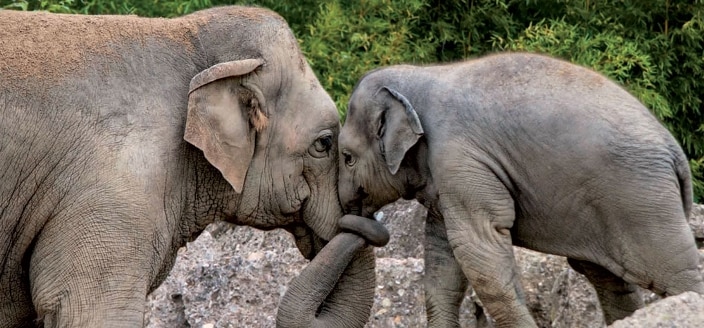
(444,281)
(478,216)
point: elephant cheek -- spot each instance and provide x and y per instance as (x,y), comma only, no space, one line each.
(295,194)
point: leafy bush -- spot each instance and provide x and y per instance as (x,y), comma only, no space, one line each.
(655,48)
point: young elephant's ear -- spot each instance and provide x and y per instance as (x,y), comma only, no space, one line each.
(224,114)
(399,128)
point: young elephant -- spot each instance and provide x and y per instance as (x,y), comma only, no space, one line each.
(521,149)
(99,189)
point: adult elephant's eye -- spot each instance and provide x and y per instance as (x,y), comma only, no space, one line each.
(322,146)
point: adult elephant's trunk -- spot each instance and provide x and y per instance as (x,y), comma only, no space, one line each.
(335,290)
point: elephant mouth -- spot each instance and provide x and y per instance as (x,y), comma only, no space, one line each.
(306,247)
(355,209)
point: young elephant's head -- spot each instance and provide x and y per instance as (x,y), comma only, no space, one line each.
(377,144)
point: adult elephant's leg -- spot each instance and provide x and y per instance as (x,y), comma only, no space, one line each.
(445,283)
(479,213)
(16,308)
(618,298)
(90,271)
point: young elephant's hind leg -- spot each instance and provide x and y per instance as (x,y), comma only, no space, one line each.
(617,297)
(479,213)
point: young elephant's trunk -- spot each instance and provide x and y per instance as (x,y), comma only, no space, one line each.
(329,292)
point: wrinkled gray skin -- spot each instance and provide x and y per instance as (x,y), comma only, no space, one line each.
(526,150)
(338,269)
(110,161)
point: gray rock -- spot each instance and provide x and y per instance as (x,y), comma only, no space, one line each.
(696,222)
(399,294)
(405,220)
(557,295)
(235,276)
(683,310)
(234,280)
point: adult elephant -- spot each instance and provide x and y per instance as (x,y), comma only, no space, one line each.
(527,150)
(98,188)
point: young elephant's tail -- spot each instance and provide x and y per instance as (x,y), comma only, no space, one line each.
(684,175)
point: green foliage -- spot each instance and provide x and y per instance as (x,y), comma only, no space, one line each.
(372,35)
(655,48)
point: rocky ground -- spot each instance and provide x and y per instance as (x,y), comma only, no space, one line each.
(235,276)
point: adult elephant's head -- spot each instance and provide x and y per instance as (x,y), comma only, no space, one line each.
(261,117)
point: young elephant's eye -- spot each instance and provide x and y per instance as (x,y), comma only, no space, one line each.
(322,146)
(349,160)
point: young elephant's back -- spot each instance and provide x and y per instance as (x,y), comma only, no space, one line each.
(536,87)
(528,100)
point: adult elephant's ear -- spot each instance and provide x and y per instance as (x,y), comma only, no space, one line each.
(398,128)
(224,114)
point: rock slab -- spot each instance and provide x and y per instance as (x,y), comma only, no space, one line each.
(235,277)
